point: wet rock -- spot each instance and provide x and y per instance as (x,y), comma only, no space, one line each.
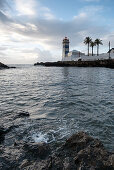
(2,131)
(23,114)
(78,141)
(93,157)
(24,164)
(79,152)
(37,150)
(2,134)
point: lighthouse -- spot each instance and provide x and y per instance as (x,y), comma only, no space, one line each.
(65,48)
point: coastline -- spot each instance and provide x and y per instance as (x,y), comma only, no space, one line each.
(109,63)
(80,151)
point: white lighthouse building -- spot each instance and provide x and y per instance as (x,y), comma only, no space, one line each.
(65,48)
(69,55)
(75,55)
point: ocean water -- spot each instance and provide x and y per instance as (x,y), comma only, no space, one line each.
(61,101)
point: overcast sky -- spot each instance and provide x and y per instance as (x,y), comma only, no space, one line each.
(32,30)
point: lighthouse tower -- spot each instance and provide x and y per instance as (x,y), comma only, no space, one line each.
(65,48)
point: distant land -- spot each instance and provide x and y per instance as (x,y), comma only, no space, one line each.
(3,66)
(109,63)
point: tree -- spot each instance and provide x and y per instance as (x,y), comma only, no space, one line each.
(88,41)
(92,44)
(98,42)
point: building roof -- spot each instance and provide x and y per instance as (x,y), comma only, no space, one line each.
(110,50)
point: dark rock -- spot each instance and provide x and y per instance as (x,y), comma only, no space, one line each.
(12,67)
(2,131)
(82,152)
(109,63)
(24,164)
(79,152)
(2,134)
(3,66)
(23,114)
(78,141)
(40,150)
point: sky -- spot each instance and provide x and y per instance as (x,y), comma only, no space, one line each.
(33,30)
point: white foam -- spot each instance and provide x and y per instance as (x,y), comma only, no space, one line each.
(39,137)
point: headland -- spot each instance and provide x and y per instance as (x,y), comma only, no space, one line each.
(3,66)
(109,63)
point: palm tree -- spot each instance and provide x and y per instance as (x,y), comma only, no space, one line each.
(92,44)
(98,42)
(88,41)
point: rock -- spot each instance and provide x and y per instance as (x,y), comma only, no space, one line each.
(25,163)
(38,150)
(96,63)
(82,152)
(79,152)
(2,134)
(23,114)
(93,157)
(2,131)
(3,66)
(78,141)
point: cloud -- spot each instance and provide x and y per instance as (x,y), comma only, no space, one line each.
(35,33)
(25,7)
(3,17)
(3,4)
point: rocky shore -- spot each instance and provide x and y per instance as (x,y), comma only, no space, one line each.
(3,66)
(97,63)
(79,152)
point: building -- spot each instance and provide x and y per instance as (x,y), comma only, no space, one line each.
(72,55)
(76,55)
(111,50)
(65,47)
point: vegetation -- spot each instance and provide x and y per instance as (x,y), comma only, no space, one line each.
(98,42)
(88,41)
(92,44)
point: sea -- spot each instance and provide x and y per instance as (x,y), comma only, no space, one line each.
(60,100)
